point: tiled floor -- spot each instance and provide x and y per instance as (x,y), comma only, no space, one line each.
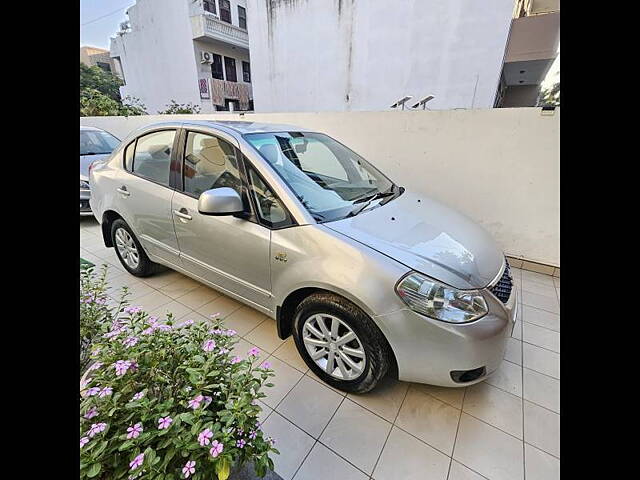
(506,428)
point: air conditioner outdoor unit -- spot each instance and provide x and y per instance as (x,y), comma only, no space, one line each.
(205,57)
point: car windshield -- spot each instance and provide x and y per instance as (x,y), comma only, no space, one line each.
(96,142)
(330,180)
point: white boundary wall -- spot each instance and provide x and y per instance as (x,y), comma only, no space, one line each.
(501,167)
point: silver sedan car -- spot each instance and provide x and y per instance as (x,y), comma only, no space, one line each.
(95,144)
(369,277)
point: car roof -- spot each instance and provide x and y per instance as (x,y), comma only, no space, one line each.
(242,127)
(85,127)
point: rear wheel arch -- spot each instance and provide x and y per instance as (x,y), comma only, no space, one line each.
(108,218)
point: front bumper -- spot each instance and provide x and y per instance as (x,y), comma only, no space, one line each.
(85,208)
(434,352)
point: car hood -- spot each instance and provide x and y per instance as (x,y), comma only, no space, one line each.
(86,160)
(428,237)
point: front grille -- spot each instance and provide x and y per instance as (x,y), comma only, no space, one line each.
(502,289)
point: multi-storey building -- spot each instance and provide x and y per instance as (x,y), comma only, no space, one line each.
(190,51)
(94,56)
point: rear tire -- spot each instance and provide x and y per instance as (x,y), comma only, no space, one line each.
(129,251)
(356,374)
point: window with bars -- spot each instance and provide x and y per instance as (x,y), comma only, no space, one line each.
(216,67)
(230,69)
(210,6)
(246,72)
(225,11)
(242,17)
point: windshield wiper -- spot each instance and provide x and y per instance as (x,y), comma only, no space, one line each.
(94,153)
(370,198)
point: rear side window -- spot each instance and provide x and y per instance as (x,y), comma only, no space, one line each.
(152,158)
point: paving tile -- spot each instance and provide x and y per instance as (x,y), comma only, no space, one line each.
(180,287)
(323,464)
(293,443)
(310,406)
(138,290)
(495,407)
(357,435)
(541,360)
(513,352)
(538,288)
(176,308)
(517,329)
(244,319)
(508,377)
(541,390)
(265,336)
(537,277)
(540,336)
(542,428)
(152,300)
(556,282)
(198,297)
(457,471)
(162,279)
(242,347)
(384,400)
(429,419)
(541,318)
(266,410)
(542,302)
(408,458)
(288,352)
(316,378)
(488,451)
(285,379)
(453,396)
(222,305)
(539,465)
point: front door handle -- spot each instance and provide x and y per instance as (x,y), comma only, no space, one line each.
(123,190)
(182,213)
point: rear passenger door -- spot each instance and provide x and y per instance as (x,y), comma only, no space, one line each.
(145,193)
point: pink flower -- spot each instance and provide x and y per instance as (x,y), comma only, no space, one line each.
(224,350)
(84,441)
(138,396)
(152,320)
(133,309)
(105,392)
(214,315)
(85,382)
(96,428)
(195,402)
(137,461)
(93,391)
(209,345)
(230,333)
(189,468)
(122,366)
(272,441)
(187,323)
(216,448)
(92,412)
(134,431)
(265,365)
(253,434)
(207,401)
(204,437)
(130,341)
(148,331)
(253,352)
(241,443)
(164,422)
(236,359)
(95,366)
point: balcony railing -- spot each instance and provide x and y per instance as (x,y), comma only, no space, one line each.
(206,25)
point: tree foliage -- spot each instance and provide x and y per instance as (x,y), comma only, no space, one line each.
(550,96)
(100,95)
(175,107)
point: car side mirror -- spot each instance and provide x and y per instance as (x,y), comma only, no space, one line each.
(220,201)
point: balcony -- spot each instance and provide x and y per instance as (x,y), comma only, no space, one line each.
(208,26)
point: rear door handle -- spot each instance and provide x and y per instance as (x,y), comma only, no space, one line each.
(123,190)
(182,213)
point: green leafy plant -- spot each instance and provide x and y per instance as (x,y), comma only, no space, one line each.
(168,401)
(95,78)
(175,107)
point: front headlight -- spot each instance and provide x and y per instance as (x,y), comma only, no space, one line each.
(84,185)
(441,302)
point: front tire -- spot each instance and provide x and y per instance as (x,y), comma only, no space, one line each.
(129,251)
(340,343)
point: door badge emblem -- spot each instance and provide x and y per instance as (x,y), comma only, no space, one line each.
(282,257)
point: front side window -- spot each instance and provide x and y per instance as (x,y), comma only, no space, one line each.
(269,207)
(216,66)
(330,180)
(152,158)
(242,17)
(225,11)
(97,142)
(128,156)
(209,162)
(230,69)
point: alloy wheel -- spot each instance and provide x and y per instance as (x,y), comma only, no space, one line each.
(127,248)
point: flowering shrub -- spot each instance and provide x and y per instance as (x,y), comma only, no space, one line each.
(95,312)
(169,401)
